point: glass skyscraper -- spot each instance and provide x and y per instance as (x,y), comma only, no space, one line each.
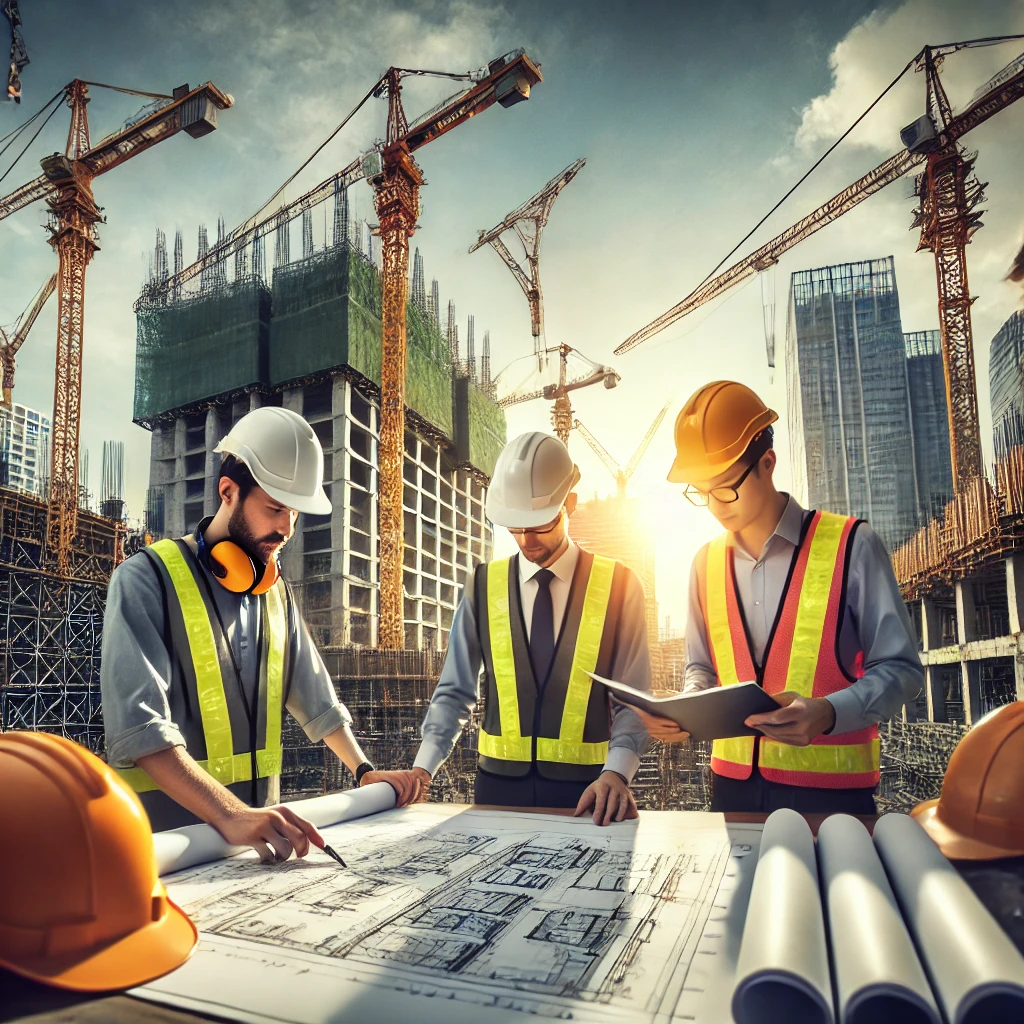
(929,421)
(1006,384)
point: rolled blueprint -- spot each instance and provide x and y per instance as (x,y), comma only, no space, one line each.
(782,973)
(877,972)
(182,848)
(976,972)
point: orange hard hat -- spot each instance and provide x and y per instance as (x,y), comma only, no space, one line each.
(714,428)
(81,904)
(980,812)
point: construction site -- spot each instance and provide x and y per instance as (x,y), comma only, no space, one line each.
(348,334)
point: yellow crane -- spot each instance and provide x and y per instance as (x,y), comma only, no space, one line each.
(623,476)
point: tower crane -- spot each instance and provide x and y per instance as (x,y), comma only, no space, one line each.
(508,81)
(395,177)
(11,342)
(66,185)
(623,476)
(527,222)
(947,216)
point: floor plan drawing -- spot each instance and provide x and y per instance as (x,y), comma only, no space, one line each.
(446,914)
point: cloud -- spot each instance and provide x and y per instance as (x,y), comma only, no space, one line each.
(871,54)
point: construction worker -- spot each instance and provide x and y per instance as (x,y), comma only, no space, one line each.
(81,903)
(803,602)
(537,623)
(203,646)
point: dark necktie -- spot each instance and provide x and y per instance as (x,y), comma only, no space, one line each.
(542,628)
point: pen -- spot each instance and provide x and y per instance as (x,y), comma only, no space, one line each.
(331,852)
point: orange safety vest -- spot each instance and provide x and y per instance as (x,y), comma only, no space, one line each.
(801,656)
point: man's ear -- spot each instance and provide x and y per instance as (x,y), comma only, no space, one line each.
(570,503)
(769,461)
(227,489)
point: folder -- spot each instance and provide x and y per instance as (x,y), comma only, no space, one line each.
(714,714)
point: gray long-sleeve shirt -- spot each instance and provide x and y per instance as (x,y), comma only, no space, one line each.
(457,689)
(875,621)
(135,670)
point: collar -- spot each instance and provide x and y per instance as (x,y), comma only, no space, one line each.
(563,568)
(788,528)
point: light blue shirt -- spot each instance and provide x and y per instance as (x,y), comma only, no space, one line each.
(875,620)
(457,688)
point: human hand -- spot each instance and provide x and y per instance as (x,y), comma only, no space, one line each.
(799,720)
(273,832)
(610,797)
(659,728)
(410,785)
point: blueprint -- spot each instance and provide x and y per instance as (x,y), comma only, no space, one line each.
(446,914)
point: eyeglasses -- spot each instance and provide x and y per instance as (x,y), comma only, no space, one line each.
(726,495)
(520,531)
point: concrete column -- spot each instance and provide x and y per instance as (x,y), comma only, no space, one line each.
(1015,591)
(211,497)
(966,620)
(931,638)
(970,674)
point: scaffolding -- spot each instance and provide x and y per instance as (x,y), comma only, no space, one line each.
(50,627)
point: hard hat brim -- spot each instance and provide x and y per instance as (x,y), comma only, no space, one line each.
(138,958)
(953,844)
(314,505)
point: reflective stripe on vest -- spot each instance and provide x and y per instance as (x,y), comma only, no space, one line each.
(221,761)
(569,747)
(801,657)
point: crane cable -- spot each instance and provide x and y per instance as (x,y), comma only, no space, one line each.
(30,141)
(970,43)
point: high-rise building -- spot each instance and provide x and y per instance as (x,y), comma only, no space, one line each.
(24,441)
(929,422)
(1006,384)
(311,342)
(849,412)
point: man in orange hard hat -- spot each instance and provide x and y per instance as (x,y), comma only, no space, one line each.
(980,813)
(803,602)
(81,905)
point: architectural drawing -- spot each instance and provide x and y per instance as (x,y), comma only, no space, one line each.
(445,914)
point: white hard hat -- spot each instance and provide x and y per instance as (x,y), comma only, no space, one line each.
(283,455)
(532,477)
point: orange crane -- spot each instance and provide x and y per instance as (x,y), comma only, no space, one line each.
(623,476)
(947,217)
(66,185)
(11,342)
(396,197)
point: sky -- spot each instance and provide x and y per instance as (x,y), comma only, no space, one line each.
(694,119)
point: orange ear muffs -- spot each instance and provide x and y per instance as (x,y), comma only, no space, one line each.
(237,570)
(271,574)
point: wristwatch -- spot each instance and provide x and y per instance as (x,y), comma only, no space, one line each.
(362,770)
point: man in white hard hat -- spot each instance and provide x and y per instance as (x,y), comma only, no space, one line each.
(537,624)
(203,647)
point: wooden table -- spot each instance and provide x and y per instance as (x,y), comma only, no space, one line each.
(999,885)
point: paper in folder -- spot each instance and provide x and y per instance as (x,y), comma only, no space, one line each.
(714,714)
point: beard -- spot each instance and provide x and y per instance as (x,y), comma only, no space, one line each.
(261,549)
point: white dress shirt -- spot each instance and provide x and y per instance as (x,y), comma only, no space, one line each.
(559,586)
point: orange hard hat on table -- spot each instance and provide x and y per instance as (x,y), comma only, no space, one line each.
(980,813)
(714,428)
(81,903)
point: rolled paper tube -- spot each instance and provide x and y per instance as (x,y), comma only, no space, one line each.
(977,974)
(186,847)
(782,972)
(878,976)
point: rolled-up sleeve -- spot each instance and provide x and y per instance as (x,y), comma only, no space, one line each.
(135,666)
(456,692)
(312,700)
(631,665)
(892,669)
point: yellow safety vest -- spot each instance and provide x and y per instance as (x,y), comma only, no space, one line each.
(563,727)
(201,649)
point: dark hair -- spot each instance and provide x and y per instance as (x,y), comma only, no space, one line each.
(235,469)
(762,442)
